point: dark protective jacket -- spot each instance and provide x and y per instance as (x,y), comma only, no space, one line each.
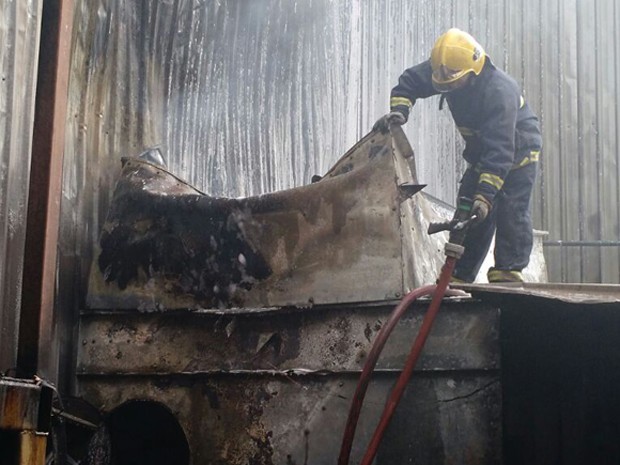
(500,130)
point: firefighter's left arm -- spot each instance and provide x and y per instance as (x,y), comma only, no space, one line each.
(497,134)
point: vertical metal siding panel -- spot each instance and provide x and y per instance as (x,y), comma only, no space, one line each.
(503,58)
(8,274)
(550,165)
(531,85)
(461,14)
(479,21)
(421,120)
(496,34)
(19,36)
(369,11)
(608,210)
(569,139)
(616,173)
(589,217)
(514,41)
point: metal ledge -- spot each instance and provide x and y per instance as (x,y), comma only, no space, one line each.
(570,293)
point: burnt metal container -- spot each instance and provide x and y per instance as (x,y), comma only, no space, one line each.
(233,331)
(275,386)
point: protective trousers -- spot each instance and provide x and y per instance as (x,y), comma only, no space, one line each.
(509,218)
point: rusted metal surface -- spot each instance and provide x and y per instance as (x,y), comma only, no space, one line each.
(166,245)
(19,404)
(25,409)
(32,448)
(275,387)
(36,317)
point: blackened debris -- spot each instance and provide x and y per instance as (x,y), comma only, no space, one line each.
(192,241)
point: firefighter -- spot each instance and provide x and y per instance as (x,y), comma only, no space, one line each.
(502,146)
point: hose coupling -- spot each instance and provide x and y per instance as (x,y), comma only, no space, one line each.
(453,250)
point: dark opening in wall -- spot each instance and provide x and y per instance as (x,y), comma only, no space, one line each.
(144,432)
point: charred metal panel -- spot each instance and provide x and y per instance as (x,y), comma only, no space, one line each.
(320,340)
(358,234)
(275,387)
(166,245)
(284,420)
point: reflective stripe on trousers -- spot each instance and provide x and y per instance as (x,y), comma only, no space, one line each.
(510,218)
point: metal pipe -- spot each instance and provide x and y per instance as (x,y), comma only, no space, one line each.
(581,243)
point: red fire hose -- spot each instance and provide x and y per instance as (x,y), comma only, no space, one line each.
(369,366)
(453,251)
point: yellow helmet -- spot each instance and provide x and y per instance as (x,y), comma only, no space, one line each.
(455,55)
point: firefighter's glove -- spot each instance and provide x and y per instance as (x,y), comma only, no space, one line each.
(480,208)
(393,117)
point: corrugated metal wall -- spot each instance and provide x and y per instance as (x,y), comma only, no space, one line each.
(19,33)
(579,195)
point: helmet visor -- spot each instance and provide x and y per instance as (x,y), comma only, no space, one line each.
(446,79)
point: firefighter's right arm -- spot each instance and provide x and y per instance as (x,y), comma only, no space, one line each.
(413,84)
